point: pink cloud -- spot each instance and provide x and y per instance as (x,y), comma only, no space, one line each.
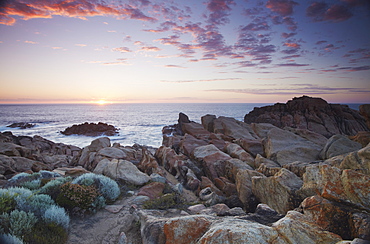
(150,49)
(320,11)
(28,9)
(282,7)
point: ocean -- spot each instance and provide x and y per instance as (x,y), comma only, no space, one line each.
(137,123)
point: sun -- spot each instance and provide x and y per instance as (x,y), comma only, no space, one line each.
(101,102)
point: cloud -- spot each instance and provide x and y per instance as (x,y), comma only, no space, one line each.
(174,66)
(292,65)
(29,9)
(150,49)
(80,45)
(320,11)
(282,7)
(31,42)
(307,89)
(220,10)
(122,49)
(293,45)
(288,35)
(195,81)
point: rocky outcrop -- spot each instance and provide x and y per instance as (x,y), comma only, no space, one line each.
(91,129)
(365,111)
(21,125)
(313,114)
(24,153)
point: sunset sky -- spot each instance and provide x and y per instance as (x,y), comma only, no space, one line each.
(54,51)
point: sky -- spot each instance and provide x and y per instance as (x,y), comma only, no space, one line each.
(193,51)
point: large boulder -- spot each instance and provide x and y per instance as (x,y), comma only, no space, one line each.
(285,147)
(337,218)
(243,183)
(359,161)
(314,114)
(278,191)
(122,170)
(337,145)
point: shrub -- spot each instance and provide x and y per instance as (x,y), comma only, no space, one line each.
(21,222)
(10,239)
(32,185)
(19,176)
(46,233)
(52,188)
(74,195)
(7,203)
(56,215)
(107,187)
(37,204)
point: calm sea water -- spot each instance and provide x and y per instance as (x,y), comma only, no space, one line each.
(137,123)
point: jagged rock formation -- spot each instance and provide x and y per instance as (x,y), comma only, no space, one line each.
(313,114)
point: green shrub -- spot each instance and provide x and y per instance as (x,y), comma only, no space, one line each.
(7,203)
(46,233)
(36,203)
(74,195)
(32,185)
(21,223)
(56,215)
(52,188)
(107,187)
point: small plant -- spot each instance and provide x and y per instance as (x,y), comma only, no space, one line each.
(36,203)
(32,185)
(46,233)
(21,222)
(52,188)
(80,196)
(107,187)
(7,203)
(56,215)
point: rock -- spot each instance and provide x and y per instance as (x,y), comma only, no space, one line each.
(10,149)
(21,125)
(309,135)
(181,230)
(196,130)
(208,122)
(233,128)
(233,166)
(337,218)
(278,191)
(365,111)
(236,151)
(113,208)
(297,228)
(243,183)
(123,170)
(22,164)
(254,147)
(152,190)
(285,147)
(299,168)
(91,129)
(237,211)
(148,163)
(359,161)
(188,143)
(337,145)
(86,158)
(196,209)
(362,137)
(212,160)
(74,172)
(111,152)
(233,230)
(6,164)
(347,186)
(313,114)
(264,215)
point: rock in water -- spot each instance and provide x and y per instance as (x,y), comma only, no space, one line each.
(314,114)
(21,125)
(91,129)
